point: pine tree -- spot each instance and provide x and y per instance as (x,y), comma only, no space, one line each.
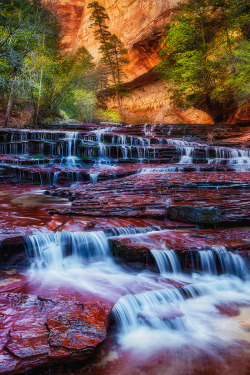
(112,49)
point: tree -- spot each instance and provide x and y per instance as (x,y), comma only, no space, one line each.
(112,49)
(200,52)
(25,24)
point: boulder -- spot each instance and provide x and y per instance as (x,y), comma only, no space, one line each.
(37,331)
(197,215)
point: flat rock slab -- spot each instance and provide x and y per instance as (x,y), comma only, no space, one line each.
(36,331)
(210,198)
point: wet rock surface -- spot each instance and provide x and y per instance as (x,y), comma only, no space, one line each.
(137,200)
(186,243)
(37,330)
(210,198)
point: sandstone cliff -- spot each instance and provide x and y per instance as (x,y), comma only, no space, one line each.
(139,24)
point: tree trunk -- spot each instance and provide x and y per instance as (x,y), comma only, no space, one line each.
(40,88)
(10,101)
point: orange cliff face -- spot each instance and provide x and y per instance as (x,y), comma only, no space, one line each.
(135,22)
(140,25)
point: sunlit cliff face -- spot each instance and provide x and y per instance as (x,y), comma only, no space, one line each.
(140,26)
(138,23)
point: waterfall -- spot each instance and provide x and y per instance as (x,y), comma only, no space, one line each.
(93,177)
(237,159)
(167,261)
(151,308)
(126,231)
(219,260)
(106,147)
(187,154)
(129,310)
(71,161)
(49,250)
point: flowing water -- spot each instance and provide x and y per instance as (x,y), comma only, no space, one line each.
(178,300)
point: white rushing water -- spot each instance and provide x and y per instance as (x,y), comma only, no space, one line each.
(179,317)
(167,261)
(174,317)
(50,250)
(161,316)
(83,261)
(106,147)
(218,259)
(71,160)
(238,159)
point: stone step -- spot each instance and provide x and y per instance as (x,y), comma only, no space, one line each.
(186,244)
(210,198)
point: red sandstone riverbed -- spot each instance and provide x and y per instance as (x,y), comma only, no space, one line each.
(177,223)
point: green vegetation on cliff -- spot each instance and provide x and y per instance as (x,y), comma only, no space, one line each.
(36,74)
(206,55)
(111,48)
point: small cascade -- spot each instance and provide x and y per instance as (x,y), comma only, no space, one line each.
(50,250)
(215,261)
(93,177)
(129,311)
(187,154)
(237,159)
(167,261)
(127,231)
(104,146)
(153,309)
(71,161)
(219,260)
(162,169)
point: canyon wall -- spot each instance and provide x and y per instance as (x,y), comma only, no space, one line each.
(138,23)
(140,26)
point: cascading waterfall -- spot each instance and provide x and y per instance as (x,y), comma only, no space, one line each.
(167,261)
(214,261)
(173,318)
(145,309)
(187,154)
(168,316)
(49,250)
(71,161)
(236,158)
(227,262)
(164,296)
(106,147)
(93,177)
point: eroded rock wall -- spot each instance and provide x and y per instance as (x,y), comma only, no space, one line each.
(140,25)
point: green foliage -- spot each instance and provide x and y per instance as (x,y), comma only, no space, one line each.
(109,115)
(205,56)
(112,49)
(86,103)
(34,71)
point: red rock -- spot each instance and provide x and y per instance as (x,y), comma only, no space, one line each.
(209,197)
(184,242)
(37,331)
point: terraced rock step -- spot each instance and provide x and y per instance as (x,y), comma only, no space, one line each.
(109,146)
(154,215)
(211,198)
(187,244)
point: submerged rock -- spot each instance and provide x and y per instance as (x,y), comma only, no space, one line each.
(197,215)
